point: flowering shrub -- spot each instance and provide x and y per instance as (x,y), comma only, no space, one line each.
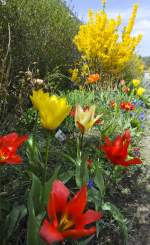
(100,44)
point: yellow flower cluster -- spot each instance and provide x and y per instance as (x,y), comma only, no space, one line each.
(103,2)
(52,109)
(99,40)
(74,74)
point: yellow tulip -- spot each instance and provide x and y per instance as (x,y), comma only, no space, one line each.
(140,91)
(136,82)
(52,109)
(84,118)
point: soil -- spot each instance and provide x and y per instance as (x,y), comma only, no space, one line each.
(140,206)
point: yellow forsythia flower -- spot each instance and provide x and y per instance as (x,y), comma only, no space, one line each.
(84,118)
(136,82)
(52,109)
(74,76)
(103,2)
(140,91)
(99,39)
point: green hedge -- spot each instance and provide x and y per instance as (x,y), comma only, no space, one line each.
(41,31)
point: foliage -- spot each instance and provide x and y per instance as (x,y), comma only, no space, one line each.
(41,31)
(33,31)
(134,68)
(146,61)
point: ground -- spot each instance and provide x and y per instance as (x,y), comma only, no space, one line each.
(139,206)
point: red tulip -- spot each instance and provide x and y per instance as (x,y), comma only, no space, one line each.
(65,217)
(72,112)
(117,150)
(8,147)
(127,106)
(126,89)
(112,104)
(89,163)
(93,78)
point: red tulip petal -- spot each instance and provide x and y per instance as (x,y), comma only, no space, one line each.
(127,135)
(107,141)
(8,139)
(76,206)
(20,140)
(78,233)
(88,217)
(81,127)
(133,161)
(49,233)
(58,198)
(15,159)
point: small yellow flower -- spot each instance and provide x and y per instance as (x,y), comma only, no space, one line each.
(52,109)
(136,82)
(84,118)
(140,91)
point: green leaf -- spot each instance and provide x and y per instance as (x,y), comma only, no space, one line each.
(66,176)
(13,219)
(36,194)
(86,241)
(33,152)
(78,176)
(69,158)
(99,181)
(48,184)
(115,212)
(33,224)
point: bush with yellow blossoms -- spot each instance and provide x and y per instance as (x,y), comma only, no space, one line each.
(103,47)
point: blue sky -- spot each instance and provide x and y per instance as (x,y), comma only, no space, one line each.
(124,8)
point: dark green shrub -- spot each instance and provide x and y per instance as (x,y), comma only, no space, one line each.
(41,31)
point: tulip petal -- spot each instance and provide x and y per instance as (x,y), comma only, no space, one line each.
(14,159)
(88,217)
(76,206)
(8,139)
(132,162)
(58,198)
(49,233)
(107,141)
(78,233)
(127,135)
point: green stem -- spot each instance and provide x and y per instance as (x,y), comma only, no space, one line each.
(36,124)
(81,143)
(82,167)
(46,156)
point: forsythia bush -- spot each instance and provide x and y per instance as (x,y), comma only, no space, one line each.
(101,45)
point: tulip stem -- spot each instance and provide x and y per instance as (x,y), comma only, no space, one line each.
(81,142)
(46,156)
